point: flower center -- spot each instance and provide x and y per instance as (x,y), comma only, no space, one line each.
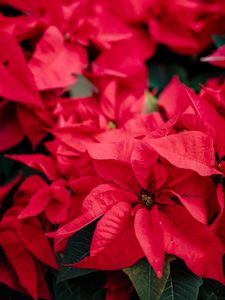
(111,125)
(146,200)
(67,37)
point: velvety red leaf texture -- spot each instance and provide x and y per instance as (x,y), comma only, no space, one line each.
(112,141)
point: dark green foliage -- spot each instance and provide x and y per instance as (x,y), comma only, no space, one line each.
(181,284)
(77,248)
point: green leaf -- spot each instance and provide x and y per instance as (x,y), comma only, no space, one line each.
(182,284)
(160,75)
(143,277)
(82,88)
(151,102)
(68,291)
(211,290)
(89,287)
(218,40)
(77,248)
(206,293)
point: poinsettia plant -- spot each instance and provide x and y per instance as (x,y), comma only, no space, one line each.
(112,143)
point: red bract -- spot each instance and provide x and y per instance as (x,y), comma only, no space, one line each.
(47,69)
(194,248)
(186,26)
(23,243)
(132,12)
(40,162)
(202,113)
(217,58)
(9,278)
(213,92)
(53,200)
(27,189)
(15,73)
(207,113)
(188,150)
(34,122)
(173,100)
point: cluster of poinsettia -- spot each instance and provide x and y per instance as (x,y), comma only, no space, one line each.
(44,47)
(152,181)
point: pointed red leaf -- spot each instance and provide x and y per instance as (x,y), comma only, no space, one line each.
(149,233)
(220,197)
(109,63)
(57,208)
(117,255)
(27,189)
(77,135)
(43,289)
(217,58)
(192,150)
(111,225)
(37,203)
(100,200)
(192,241)
(15,73)
(56,211)
(148,172)
(40,162)
(32,126)
(194,122)
(36,242)
(173,99)
(74,225)
(8,276)
(201,202)
(84,184)
(108,100)
(105,196)
(21,260)
(118,172)
(53,200)
(207,112)
(112,151)
(54,63)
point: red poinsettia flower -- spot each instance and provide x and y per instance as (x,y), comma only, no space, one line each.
(107,118)
(139,200)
